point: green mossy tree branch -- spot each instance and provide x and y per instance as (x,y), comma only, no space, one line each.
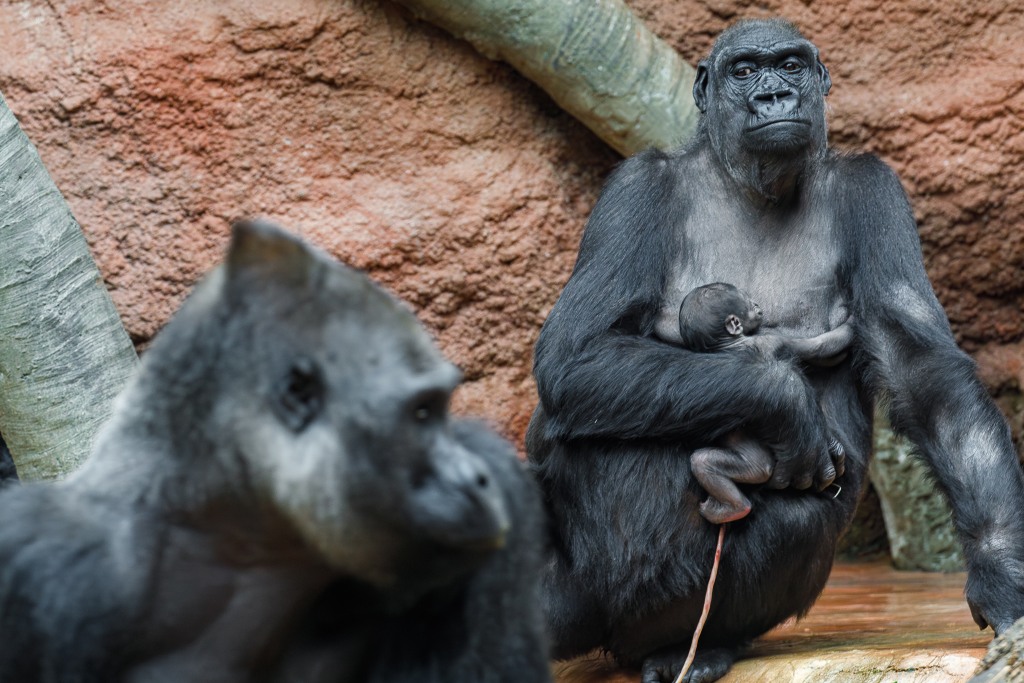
(64,353)
(595,58)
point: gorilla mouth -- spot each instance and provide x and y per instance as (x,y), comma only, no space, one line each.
(773,122)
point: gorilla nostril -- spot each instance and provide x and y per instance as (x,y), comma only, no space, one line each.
(482,481)
(418,477)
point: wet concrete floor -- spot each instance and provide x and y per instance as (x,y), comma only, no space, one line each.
(871,625)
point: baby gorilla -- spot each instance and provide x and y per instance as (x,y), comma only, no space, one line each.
(719,316)
(280,496)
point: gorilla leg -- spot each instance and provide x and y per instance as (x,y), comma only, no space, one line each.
(774,564)
(576,621)
(718,470)
(622,531)
(708,665)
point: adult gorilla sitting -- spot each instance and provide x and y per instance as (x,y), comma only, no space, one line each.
(756,200)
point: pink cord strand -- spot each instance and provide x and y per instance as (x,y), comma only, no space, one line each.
(707,607)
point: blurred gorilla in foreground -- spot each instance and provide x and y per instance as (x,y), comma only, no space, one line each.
(280,495)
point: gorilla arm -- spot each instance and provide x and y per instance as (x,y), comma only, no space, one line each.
(908,353)
(825,350)
(602,374)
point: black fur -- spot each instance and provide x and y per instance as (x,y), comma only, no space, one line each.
(818,237)
(8,473)
(279,496)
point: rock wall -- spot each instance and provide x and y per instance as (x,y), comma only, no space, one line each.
(455,182)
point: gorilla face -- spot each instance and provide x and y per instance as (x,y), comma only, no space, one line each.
(762,92)
(345,430)
(770,83)
(749,313)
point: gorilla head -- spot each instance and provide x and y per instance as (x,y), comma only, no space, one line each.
(334,402)
(762,93)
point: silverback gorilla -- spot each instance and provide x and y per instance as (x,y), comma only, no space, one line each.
(279,496)
(757,200)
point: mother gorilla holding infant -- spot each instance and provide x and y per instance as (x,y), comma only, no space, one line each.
(817,237)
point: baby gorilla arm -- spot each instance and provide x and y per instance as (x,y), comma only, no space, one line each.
(825,350)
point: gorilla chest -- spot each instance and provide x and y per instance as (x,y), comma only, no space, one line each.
(789,267)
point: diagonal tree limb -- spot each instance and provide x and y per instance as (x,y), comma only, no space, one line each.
(596,59)
(64,353)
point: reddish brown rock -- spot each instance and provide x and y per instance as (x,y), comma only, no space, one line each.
(452,180)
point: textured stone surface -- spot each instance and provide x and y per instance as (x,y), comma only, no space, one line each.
(446,176)
(451,179)
(1004,660)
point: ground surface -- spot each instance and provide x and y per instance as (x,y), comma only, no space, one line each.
(871,625)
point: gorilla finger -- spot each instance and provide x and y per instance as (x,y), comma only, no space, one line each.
(781,477)
(839,462)
(655,674)
(838,453)
(803,481)
(825,475)
(824,480)
(979,618)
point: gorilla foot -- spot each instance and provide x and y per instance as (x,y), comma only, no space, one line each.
(718,512)
(709,665)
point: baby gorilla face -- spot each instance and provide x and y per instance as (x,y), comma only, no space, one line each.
(747,313)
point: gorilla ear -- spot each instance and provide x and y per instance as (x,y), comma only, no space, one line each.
(733,325)
(826,80)
(263,250)
(700,86)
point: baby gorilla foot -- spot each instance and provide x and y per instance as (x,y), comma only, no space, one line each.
(709,665)
(717,512)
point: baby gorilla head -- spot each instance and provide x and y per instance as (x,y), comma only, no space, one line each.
(715,316)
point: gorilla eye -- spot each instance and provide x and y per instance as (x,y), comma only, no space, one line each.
(300,396)
(743,71)
(429,406)
(791,66)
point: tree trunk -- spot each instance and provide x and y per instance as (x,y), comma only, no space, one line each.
(918,519)
(596,59)
(64,353)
